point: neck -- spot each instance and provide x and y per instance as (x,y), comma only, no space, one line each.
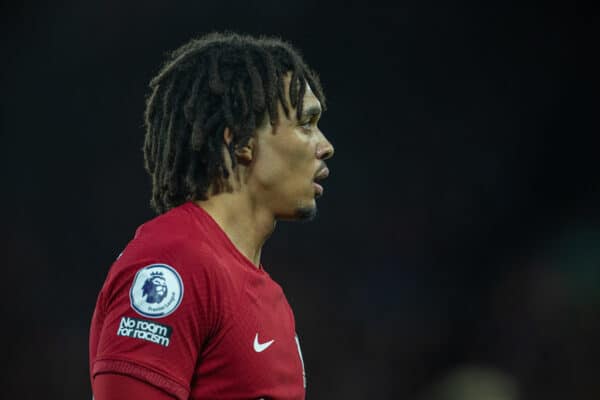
(244,222)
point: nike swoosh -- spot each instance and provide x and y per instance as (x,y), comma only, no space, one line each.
(260,347)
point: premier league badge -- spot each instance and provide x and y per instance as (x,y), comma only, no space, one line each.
(156,291)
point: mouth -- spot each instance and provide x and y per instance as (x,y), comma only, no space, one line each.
(318,189)
(321,174)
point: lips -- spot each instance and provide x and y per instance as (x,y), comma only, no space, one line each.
(321,174)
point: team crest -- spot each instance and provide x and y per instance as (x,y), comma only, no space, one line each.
(156,291)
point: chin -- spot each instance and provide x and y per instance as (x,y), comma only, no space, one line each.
(306,213)
(302,213)
(301,210)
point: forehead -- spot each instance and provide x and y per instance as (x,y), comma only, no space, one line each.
(310,100)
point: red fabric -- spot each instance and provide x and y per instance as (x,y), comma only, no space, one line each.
(228,311)
(122,387)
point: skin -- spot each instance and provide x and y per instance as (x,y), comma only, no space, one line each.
(274,178)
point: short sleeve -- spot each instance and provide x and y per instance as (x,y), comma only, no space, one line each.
(151,321)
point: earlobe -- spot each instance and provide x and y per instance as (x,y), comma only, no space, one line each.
(245,153)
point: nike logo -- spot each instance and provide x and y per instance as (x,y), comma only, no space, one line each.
(260,347)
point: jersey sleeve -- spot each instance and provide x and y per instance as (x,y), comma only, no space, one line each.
(122,387)
(151,321)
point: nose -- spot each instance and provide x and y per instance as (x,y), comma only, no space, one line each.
(325,149)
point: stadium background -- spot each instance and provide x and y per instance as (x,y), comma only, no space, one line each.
(458,238)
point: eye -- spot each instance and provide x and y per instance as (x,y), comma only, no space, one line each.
(309,125)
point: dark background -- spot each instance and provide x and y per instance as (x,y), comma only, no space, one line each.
(459,235)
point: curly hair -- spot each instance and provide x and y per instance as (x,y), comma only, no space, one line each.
(215,81)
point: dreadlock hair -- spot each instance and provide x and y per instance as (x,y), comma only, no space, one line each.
(215,81)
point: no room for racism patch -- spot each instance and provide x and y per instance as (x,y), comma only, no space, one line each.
(145,330)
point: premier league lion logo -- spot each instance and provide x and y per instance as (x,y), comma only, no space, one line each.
(156,291)
(155,288)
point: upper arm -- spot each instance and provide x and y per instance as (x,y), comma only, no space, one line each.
(155,319)
(123,387)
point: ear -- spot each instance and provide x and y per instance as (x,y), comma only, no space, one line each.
(244,154)
(227,136)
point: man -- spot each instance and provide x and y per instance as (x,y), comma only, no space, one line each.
(187,310)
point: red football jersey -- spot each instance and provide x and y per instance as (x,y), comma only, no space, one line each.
(184,310)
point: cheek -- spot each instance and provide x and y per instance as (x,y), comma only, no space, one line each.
(280,166)
(270,169)
(285,163)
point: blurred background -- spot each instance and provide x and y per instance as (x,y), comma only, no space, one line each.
(457,250)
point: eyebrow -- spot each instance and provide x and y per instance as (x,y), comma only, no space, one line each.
(311,111)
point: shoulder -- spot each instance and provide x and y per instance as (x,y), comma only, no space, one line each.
(174,238)
(170,249)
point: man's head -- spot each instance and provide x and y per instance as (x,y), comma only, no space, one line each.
(226,102)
